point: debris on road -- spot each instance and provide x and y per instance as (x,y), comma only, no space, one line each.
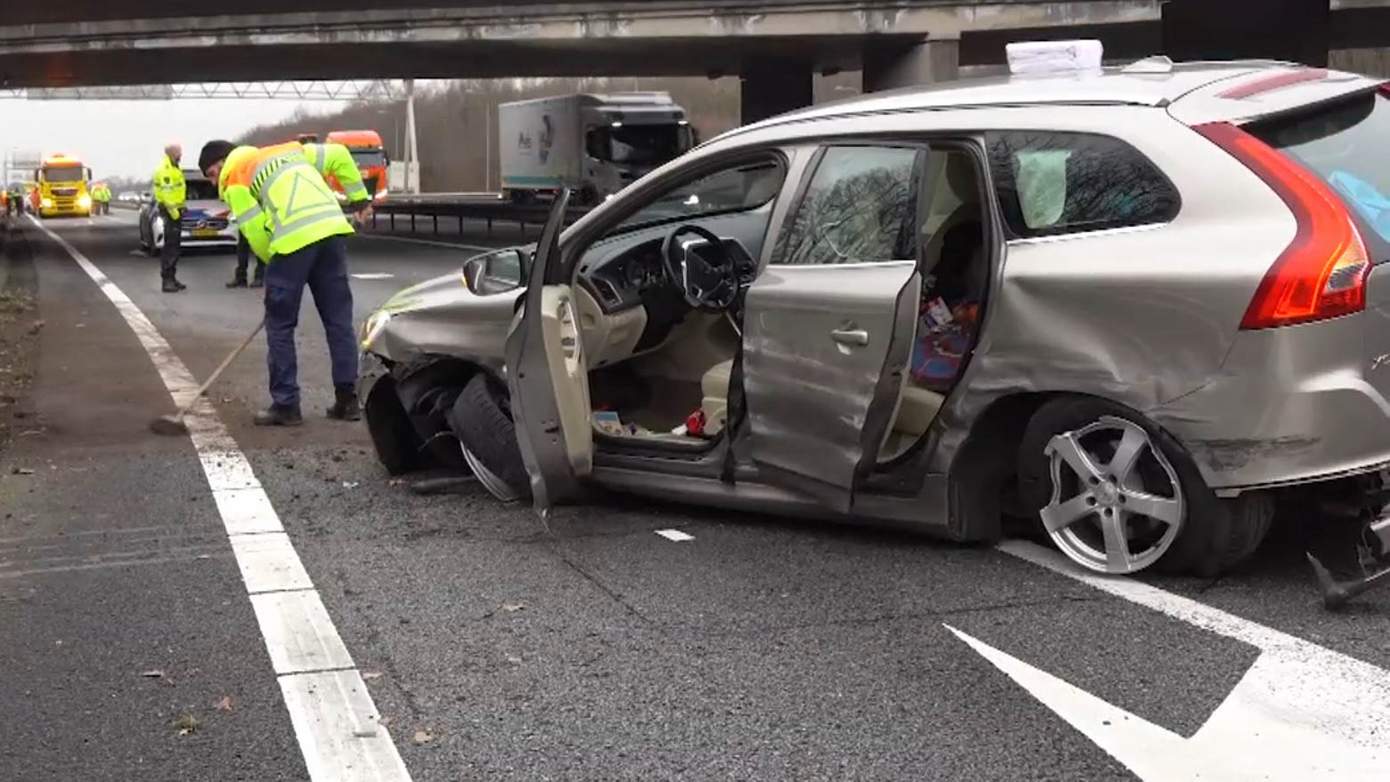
(447,485)
(512,608)
(35,327)
(224,704)
(22,471)
(351,484)
(369,675)
(186,724)
(153,674)
(423,737)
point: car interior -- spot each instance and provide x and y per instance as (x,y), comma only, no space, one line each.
(661,344)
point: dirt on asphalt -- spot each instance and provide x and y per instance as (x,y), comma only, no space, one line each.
(20,324)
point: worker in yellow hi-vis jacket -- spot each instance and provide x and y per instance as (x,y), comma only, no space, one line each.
(294,224)
(170,191)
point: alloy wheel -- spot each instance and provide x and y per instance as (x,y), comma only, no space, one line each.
(489,479)
(1117,504)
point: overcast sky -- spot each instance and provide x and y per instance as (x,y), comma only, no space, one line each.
(126,138)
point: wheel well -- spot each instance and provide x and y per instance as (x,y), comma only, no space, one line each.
(984,473)
(411,381)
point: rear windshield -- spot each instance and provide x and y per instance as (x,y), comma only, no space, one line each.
(200,190)
(1347,143)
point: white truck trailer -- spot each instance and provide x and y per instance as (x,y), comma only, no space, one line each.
(594,144)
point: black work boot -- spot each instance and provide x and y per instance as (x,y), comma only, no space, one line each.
(345,407)
(258,283)
(170,286)
(239,282)
(279,415)
(180,285)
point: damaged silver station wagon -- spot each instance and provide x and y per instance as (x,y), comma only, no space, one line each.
(1130,306)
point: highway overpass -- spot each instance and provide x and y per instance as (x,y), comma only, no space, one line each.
(775,45)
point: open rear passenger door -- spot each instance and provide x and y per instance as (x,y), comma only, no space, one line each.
(828,324)
(548,375)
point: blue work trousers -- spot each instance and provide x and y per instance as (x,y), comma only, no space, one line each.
(323,267)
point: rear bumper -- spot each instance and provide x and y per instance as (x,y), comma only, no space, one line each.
(1296,404)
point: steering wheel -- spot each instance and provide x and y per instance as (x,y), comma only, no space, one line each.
(705,285)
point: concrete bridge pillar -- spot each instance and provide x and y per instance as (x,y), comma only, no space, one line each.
(889,67)
(774,86)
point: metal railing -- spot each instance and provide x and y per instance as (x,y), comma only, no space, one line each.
(487,208)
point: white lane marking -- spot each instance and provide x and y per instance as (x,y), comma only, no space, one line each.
(303,645)
(675,535)
(373,276)
(300,636)
(268,563)
(1300,712)
(430,242)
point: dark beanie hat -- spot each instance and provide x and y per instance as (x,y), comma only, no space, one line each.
(214,151)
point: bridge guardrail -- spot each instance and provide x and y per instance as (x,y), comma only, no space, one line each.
(489,208)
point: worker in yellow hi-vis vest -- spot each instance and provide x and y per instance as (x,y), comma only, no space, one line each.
(170,191)
(294,224)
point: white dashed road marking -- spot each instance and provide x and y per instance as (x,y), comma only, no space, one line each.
(334,718)
(1301,712)
(675,535)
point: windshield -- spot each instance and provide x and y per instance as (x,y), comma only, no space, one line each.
(63,174)
(365,158)
(737,189)
(639,145)
(1344,143)
(201,190)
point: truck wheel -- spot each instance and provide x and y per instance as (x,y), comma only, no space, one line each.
(482,419)
(1117,494)
(393,436)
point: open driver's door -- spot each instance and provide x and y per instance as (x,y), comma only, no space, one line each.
(548,374)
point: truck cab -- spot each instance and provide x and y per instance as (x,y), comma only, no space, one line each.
(63,187)
(592,144)
(369,153)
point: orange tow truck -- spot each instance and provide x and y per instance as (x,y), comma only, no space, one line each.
(369,152)
(63,187)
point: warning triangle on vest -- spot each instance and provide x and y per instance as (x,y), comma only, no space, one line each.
(314,195)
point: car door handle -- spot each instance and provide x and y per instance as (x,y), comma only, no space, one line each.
(850,336)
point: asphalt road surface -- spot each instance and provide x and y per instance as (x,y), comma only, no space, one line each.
(492,646)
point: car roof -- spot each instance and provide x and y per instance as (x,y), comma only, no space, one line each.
(1155,82)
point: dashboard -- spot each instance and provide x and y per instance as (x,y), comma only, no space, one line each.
(628,278)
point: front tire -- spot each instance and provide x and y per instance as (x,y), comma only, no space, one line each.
(393,436)
(482,419)
(1117,494)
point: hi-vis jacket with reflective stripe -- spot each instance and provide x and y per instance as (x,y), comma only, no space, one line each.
(169,188)
(280,199)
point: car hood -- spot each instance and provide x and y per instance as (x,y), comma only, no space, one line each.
(205,208)
(441,317)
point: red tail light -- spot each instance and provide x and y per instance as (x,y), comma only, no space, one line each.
(1322,273)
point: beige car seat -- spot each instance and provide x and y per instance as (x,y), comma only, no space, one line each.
(714,390)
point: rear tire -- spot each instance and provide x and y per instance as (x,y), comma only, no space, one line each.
(1249,516)
(482,419)
(393,436)
(1202,543)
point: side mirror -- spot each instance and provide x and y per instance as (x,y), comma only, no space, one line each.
(495,272)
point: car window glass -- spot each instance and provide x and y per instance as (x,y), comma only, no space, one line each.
(1056,183)
(743,187)
(859,207)
(1341,143)
(200,190)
